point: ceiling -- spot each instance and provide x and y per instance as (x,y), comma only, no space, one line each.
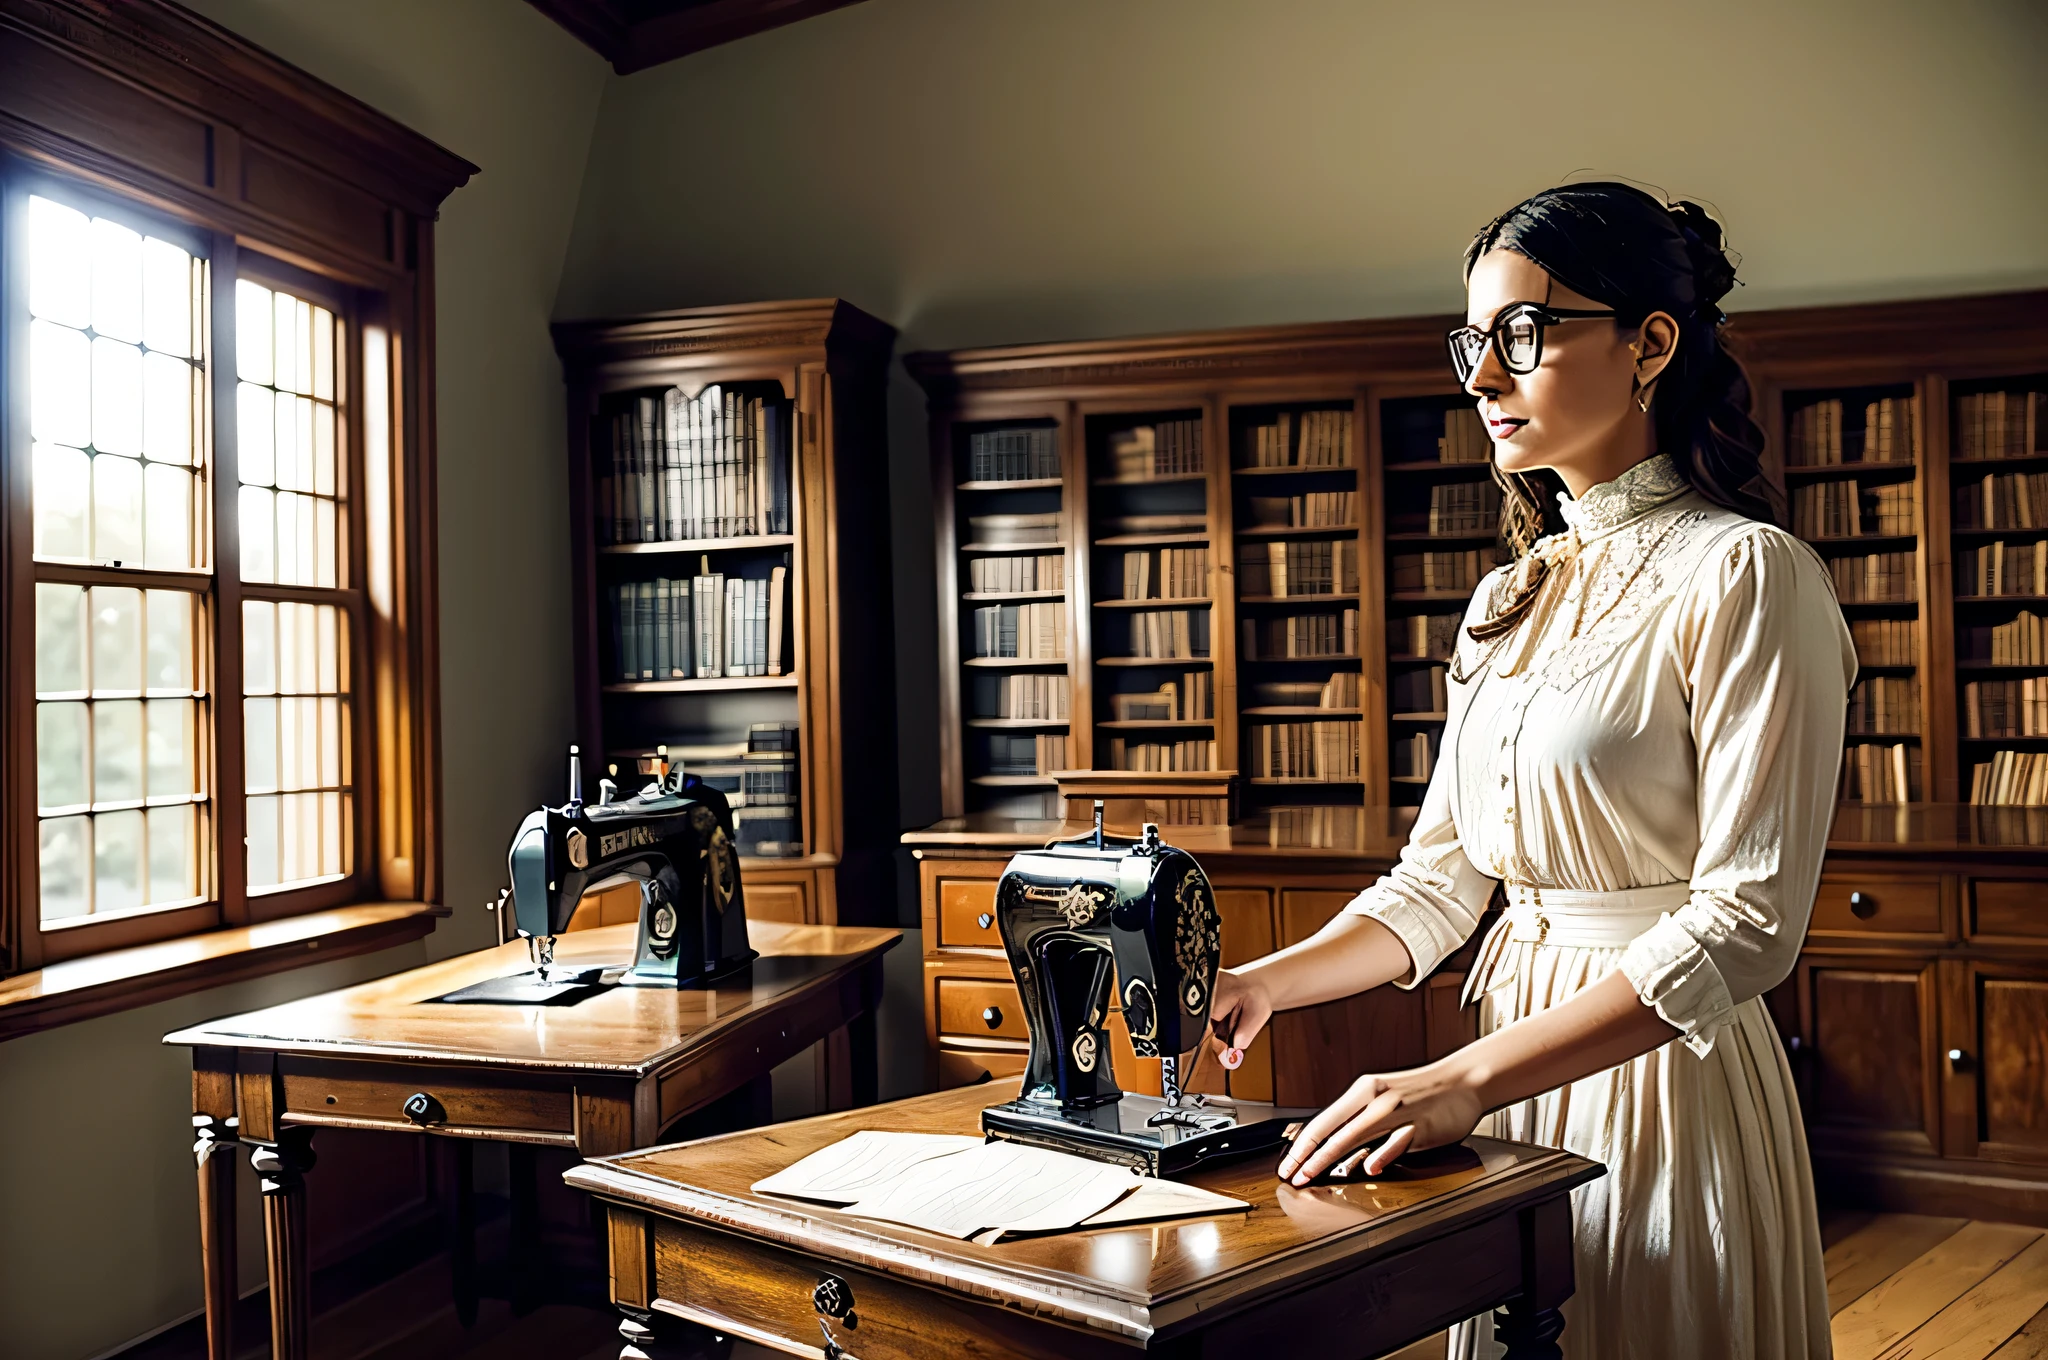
(636,34)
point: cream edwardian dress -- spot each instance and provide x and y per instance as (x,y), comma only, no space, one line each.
(1648,763)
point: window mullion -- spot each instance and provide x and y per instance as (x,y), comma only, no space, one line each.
(230,877)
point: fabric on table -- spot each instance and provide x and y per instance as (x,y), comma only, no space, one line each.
(1669,712)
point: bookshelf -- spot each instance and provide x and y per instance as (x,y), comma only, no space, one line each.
(729,546)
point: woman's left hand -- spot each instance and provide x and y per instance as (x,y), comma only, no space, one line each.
(1422,1108)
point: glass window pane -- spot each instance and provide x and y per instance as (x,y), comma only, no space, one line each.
(325,552)
(302,835)
(59,263)
(116,397)
(329,678)
(116,861)
(323,354)
(288,550)
(333,834)
(167,285)
(116,639)
(262,841)
(66,867)
(116,281)
(167,508)
(62,494)
(285,445)
(167,408)
(256,435)
(60,639)
(323,450)
(172,727)
(259,647)
(60,384)
(63,744)
(284,325)
(304,456)
(170,621)
(299,747)
(117,509)
(259,744)
(252,332)
(173,853)
(117,753)
(258,544)
(330,744)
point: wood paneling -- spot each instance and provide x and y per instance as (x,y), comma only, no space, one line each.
(2013,1041)
(2008,909)
(964,903)
(49,89)
(777,902)
(979,1008)
(279,184)
(1872,1032)
(1247,935)
(1905,906)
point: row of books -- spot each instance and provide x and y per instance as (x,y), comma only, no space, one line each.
(1326,752)
(1169,634)
(1188,699)
(2011,779)
(1881,772)
(1188,811)
(1041,753)
(1315,828)
(999,575)
(1876,578)
(2002,568)
(1414,756)
(1153,524)
(1814,434)
(2003,500)
(1301,635)
(1884,642)
(1431,635)
(1012,531)
(1846,510)
(1464,439)
(1443,571)
(1041,698)
(758,771)
(1339,691)
(2006,708)
(1423,689)
(1464,508)
(1290,567)
(1169,448)
(1027,454)
(2000,424)
(702,627)
(712,466)
(1166,574)
(1884,705)
(1300,439)
(1192,754)
(1310,510)
(2022,642)
(1026,632)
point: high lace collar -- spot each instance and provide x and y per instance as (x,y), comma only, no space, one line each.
(1610,505)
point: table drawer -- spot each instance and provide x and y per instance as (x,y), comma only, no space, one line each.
(963,904)
(379,1092)
(2013,908)
(1873,906)
(980,1008)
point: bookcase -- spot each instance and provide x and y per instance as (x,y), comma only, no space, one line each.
(729,556)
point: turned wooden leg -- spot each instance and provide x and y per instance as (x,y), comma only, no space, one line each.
(864,1056)
(215,1151)
(677,1339)
(523,1229)
(1529,1333)
(1531,1322)
(462,1230)
(283,1166)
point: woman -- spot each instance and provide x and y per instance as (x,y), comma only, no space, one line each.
(1645,725)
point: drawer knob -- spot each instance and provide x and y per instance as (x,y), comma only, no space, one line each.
(993,1017)
(423,1110)
(985,920)
(1958,1060)
(1862,905)
(833,1297)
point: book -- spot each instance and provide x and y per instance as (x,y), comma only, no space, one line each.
(1024,632)
(1301,635)
(1320,439)
(1195,753)
(1432,635)
(1017,454)
(1305,752)
(2000,425)
(1298,568)
(2011,779)
(1169,633)
(2006,708)
(1884,705)
(1002,531)
(1876,578)
(678,468)
(1027,697)
(1464,439)
(1884,642)
(1881,772)
(778,588)
(1446,572)
(1010,575)
(1464,508)
(2009,500)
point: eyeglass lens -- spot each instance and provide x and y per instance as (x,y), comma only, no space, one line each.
(1519,338)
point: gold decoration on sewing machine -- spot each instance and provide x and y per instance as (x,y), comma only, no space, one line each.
(1197,939)
(1077,902)
(724,868)
(579,848)
(1084,1050)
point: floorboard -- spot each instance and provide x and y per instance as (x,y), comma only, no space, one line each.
(1983,1319)
(1906,1301)
(1882,1246)
(2028,1343)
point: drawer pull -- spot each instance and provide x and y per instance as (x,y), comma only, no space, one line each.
(833,1297)
(425,1111)
(1958,1060)
(1862,906)
(993,1017)
(985,920)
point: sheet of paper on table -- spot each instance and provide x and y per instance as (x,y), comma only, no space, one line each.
(961,1187)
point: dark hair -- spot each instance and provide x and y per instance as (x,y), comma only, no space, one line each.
(1628,250)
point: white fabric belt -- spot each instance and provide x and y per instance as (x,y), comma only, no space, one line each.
(1565,919)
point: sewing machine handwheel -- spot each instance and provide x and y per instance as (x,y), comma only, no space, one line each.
(993,1017)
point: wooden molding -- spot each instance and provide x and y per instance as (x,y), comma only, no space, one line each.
(807,325)
(634,36)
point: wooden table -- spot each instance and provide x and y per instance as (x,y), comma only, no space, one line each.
(607,1074)
(1330,1271)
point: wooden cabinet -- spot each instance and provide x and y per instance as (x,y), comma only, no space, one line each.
(1869,1041)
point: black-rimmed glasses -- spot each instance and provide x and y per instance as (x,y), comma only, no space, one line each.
(1516,336)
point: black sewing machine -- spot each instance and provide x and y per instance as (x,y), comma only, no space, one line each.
(1072,915)
(676,838)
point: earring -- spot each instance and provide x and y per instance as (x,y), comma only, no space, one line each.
(1643,399)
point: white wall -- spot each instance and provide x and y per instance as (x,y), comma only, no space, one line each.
(98,1201)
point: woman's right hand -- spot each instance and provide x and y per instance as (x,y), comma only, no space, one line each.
(1241,1008)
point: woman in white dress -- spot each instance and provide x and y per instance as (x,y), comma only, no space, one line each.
(1645,725)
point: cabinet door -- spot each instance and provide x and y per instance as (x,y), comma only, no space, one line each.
(1871,1045)
(1320,1050)
(1247,935)
(1995,1060)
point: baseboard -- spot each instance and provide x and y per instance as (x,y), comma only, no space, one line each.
(1932,1185)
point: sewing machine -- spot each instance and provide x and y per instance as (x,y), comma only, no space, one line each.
(675,837)
(1071,916)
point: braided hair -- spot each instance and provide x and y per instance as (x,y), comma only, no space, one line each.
(1628,250)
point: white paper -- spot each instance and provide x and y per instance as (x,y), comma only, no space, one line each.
(1164,1199)
(850,1168)
(997,1185)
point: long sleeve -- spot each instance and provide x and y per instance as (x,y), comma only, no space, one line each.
(1768,663)
(1433,897)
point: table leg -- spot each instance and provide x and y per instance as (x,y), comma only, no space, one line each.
(215,1151)
(462,1231)
(283,1166)
(1529,1333)
(677,1339)
(1531,1322)
(523,1231)
(865,1058)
